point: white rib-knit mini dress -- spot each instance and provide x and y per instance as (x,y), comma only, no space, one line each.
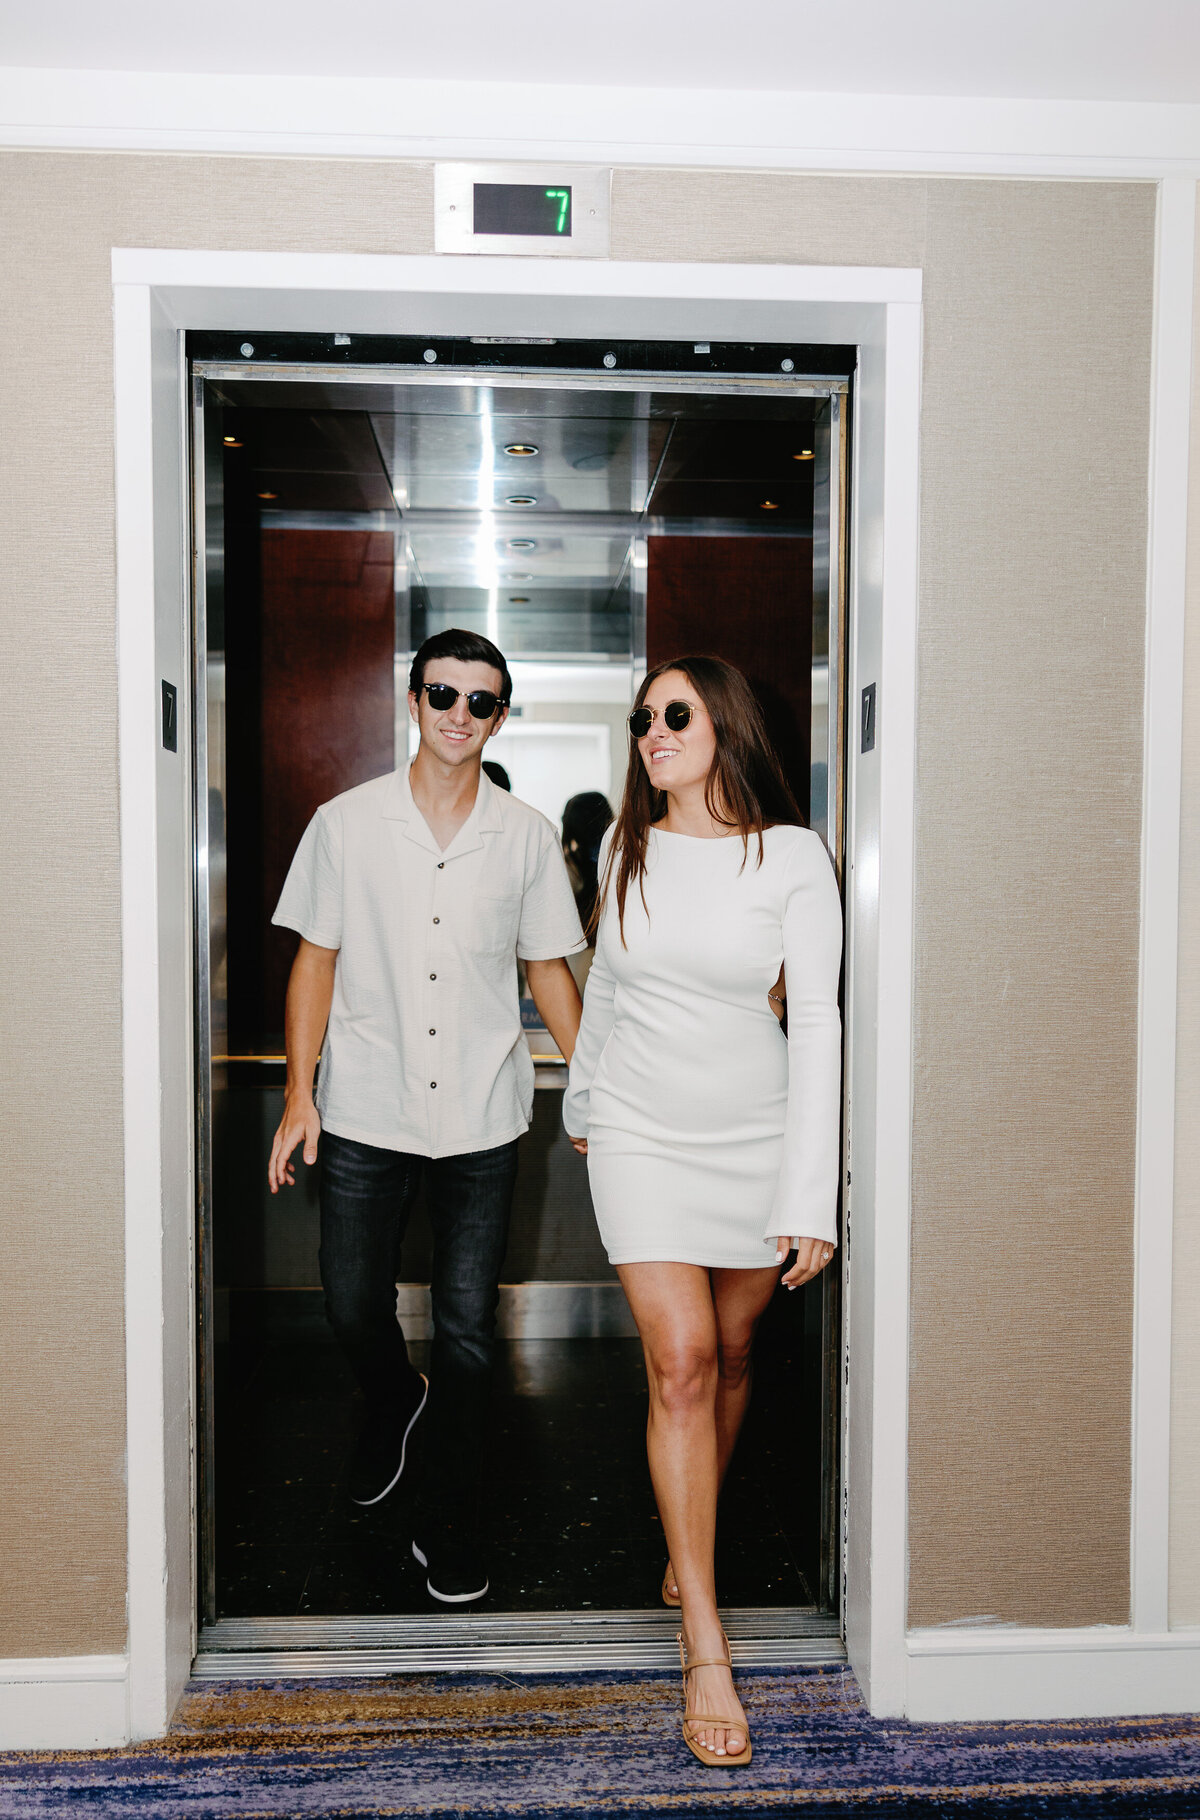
(709,1132)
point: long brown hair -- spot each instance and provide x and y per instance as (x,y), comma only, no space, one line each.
(746,789)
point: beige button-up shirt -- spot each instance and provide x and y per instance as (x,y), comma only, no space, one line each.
(424,1051)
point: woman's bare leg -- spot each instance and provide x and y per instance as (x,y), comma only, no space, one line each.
(739,1298)
(676,1315)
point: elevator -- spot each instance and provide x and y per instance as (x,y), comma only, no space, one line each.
(593,508)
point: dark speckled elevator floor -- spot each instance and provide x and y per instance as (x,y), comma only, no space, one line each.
(569,1506)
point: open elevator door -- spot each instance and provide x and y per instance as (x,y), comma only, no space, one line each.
(342,513)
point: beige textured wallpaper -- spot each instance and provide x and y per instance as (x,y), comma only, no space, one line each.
(1038,323)
(1033,531)
(1185,1326)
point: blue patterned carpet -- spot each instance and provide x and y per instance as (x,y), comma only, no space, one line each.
(598,1745)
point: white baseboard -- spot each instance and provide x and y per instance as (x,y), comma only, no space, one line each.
(64,1702)
(986,1673)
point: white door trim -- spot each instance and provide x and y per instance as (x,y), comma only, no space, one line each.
(1159,941)
(879,310)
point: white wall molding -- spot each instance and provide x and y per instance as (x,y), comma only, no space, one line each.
(1166,571)
(63,1702)
(342,116)
(987,1672)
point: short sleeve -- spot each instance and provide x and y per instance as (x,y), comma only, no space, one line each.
(550,925)
(311,899)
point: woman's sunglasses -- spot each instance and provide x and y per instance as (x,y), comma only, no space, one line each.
(481,702)
(676,716)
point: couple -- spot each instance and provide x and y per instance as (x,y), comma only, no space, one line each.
(712,1142)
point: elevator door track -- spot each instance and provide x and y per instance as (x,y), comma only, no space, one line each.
(254,1649)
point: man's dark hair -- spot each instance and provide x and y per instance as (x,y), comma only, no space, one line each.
(468,648)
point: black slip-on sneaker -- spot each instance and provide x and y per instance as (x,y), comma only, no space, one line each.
(382,1448)
(454,1573)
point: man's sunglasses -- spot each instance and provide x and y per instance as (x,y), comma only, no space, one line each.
(676,716)
(481,702)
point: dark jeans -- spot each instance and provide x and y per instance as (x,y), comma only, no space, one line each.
(367,1195)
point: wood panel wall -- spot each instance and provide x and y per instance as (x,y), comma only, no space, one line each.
(310,692)
(748,600)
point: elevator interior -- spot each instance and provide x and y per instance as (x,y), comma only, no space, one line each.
(591,522)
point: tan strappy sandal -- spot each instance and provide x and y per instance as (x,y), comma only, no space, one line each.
(669,1598)
(701,1751)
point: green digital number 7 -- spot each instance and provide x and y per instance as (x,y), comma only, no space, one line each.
(563,198)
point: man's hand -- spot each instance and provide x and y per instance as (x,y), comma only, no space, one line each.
(300,1123)
(309,996)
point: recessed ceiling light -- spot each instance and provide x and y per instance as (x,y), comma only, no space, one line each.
(804,455)
(522,543)
(770,505)
(520,499)
(518,578)
(231,442)
(268,496)
(520,448)
(518,600)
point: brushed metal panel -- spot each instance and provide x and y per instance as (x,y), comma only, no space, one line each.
(535,1311)
(255,1648)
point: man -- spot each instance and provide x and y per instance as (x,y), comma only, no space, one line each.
(414,896)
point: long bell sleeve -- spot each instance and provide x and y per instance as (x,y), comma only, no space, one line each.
(594,1030)
(805,1203)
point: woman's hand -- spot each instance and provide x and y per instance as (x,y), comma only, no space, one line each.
(579,1144)
(812,1255)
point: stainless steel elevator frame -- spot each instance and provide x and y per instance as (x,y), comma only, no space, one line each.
(237,1646)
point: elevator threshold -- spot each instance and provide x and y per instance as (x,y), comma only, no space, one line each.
(256,1649)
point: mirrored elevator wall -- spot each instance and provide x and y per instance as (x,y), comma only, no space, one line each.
(589,533)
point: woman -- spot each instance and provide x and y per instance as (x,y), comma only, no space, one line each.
(711,1139)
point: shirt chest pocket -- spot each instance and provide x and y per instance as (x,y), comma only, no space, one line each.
(494,922)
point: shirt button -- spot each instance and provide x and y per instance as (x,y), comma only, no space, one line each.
(433,1083)
(437,919)
(432,1031)
(441,865)
(433,976)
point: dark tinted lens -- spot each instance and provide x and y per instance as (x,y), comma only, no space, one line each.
(441,695)
(482,703)
(677,714)
(639,722)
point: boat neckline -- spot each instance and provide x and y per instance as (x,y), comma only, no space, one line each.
(708,840)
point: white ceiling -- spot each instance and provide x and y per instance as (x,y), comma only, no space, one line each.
(1106,50)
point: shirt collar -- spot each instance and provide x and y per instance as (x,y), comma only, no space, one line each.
(486,817)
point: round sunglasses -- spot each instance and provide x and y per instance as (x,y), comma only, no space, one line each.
(676,716)
(481,702)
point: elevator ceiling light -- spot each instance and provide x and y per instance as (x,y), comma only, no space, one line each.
(231,442)
(268,496)
(520,499)
(518,578)
(520,448)
(518,600)
(804,455)
(770,505)
(522,543)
